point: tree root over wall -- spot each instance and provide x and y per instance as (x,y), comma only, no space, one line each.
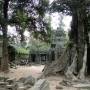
(63,65)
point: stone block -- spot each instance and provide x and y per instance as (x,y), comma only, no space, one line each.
(41,84)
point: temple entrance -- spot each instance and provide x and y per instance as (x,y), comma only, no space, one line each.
(33,57)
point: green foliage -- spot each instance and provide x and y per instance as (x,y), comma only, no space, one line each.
(42,7)
(68,6)
(29,18)
(22,50)
(20,18)
(60,6)
(19,49)
(37,45)
(45,33)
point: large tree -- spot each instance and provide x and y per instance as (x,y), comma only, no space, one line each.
(30,15)
(4,17)
(24,14)
(73,60)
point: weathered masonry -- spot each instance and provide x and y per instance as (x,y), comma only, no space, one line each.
(40,57)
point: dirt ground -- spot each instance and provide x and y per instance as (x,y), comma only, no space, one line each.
(36,71)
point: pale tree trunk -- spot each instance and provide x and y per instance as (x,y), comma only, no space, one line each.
(70,71)
(84,66)
(82,43)
(81,39)
(81,49)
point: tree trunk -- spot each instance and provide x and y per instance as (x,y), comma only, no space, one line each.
(82,72)
(21,33)
(4,61)
(73,61)
(70,71)
(22,37)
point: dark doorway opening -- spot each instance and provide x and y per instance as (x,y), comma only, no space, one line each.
(88,60)
(33,57)
(11,53)
(53,55)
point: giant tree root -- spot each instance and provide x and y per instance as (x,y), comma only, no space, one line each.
(82,72)
(69,73)
(63,65)
(56,66)
(60,64)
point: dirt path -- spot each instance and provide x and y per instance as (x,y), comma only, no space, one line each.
(35,71)
(24,71)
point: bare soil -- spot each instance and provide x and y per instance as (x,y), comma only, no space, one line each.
(36,71)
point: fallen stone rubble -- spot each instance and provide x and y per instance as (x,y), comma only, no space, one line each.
(41,84)
(25,83)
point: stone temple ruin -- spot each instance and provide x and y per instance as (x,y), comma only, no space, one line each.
(40,56)
(53,53)
(57,44)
